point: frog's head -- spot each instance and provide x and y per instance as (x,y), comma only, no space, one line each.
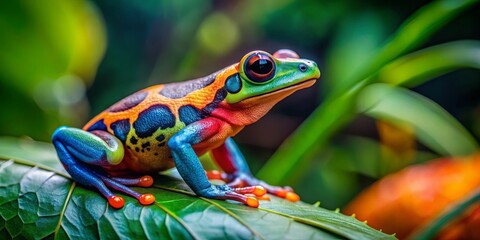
(263,79)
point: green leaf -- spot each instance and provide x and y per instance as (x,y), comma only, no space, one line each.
(37,201)
(368,31)
(415,68)
(434,127)
(49,40)
(413,32)
(48,52)
(26,150)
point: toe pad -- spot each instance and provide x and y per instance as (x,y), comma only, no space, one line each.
(116,202)
(146,199)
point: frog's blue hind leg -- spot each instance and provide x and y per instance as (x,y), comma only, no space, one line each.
(77,149)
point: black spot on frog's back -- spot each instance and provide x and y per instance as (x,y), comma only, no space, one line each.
(160,138)
(220,95)
(189,114)
(121,128)
(182,89)
(128,102)
(98,125)
(155,117)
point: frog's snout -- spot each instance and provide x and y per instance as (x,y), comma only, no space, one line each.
(306,65)
(309,67)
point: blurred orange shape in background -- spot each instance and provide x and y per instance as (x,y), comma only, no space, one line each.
(407,200)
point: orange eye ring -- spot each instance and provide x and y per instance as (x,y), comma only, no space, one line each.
(259,67)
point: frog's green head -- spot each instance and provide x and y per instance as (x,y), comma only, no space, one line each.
(263,79)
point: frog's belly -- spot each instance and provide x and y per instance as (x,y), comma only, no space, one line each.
(150,156)
(150,160)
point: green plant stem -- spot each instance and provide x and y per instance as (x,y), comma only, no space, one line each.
(431,230)
(415,68)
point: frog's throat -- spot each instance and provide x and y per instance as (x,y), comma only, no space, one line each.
(273,96)
(251,109)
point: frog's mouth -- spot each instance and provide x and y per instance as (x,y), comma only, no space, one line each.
(277,95)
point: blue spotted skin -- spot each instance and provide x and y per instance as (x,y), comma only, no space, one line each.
(170,125)
(121,128)
(189,114)
(153,118)
(98,125)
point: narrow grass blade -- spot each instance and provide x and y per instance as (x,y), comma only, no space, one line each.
(418,67)
(432,229)
(414,32)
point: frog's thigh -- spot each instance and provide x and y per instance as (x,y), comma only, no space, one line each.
(96,147)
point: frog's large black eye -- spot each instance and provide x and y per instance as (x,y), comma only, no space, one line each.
(259,67)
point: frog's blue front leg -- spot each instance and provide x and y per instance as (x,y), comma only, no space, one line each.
(191,170)
(79,149)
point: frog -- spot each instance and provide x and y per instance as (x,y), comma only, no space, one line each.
(170,125)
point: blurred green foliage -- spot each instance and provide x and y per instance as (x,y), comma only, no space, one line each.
(51,52)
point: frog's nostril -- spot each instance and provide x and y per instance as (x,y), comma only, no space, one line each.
(302,67)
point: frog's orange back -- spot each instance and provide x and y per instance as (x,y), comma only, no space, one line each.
(145,120)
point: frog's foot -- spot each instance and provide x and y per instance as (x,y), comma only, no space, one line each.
(242,180)
(120,184)
(82,152)
(246,195)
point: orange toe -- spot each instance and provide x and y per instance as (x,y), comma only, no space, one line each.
(214,175)
(259,191)
(116,202)
(145,181)
(291,196)
(146,199)
(264,197)
(281,193)
(252,202)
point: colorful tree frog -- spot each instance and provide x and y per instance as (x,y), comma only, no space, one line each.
(172,124)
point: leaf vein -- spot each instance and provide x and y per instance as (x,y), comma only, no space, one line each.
(41,166)
(62,213)
(236,217)
(184,225)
